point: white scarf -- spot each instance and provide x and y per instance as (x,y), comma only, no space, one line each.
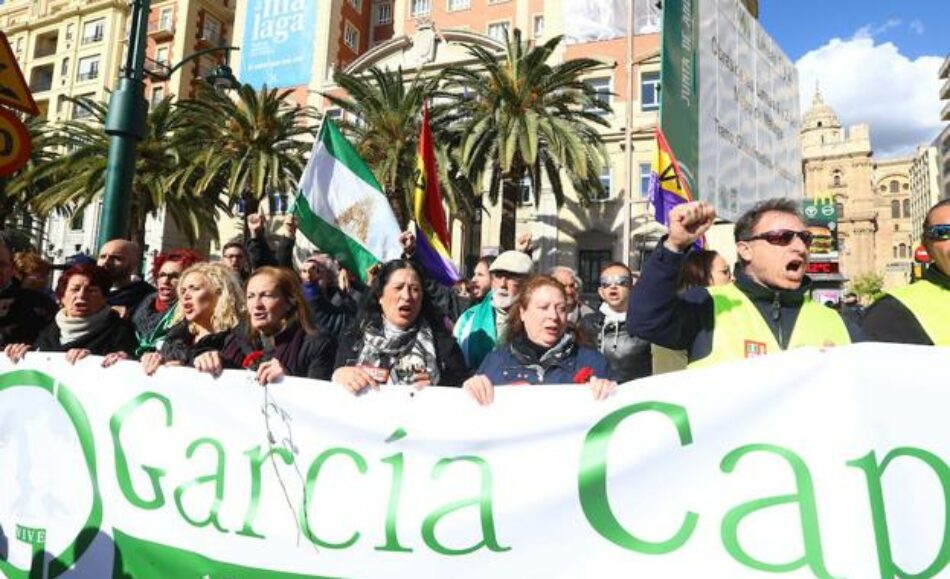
(72,329)
(611,316)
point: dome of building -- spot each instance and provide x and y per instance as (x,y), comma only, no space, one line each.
(820,115)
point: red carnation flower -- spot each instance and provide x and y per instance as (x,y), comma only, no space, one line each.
(251,360)
(583,375)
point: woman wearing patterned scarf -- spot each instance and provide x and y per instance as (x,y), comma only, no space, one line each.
(398,337)
(153,318)
(542,348)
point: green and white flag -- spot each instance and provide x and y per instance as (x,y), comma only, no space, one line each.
(341,207)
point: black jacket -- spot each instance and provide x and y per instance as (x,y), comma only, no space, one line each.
(333,314)
(630,357)
(130,296)
(23,314)
(259,252)
(447,352)
(888,320)
(301,354)
(117,335)
(180,346)
(686,321)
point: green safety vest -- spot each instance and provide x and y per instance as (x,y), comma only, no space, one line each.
(741,332)
(930,304)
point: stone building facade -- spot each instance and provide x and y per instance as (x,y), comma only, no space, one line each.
(872,195)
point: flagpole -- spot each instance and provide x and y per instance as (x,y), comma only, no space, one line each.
(628,138)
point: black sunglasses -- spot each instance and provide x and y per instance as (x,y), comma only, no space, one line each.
(782,237)
(939,232)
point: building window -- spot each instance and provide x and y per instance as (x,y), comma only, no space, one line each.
(498,31)
(839,211)
(645,170)
(158,95)
(76,222)
(357,5)
(906,207)
(64,67)
(165,19)
(589,264)
(902,251)
(605,183)
(211,30)
(69,32)
(525,196)
(897,227)
(161,55)
(93,31)
(895,251)
(895,209)
(88,68)
(836,178)
(351,36)
(334,114)
(895,187)
(459,4)
(538,26)
(601,88)
(420,8)
(649,90)
(383,13)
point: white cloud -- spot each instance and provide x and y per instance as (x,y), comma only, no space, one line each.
(875,84)
(871,30)
(917,26)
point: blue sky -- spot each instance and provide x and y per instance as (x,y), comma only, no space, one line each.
(917,27)
(875,60)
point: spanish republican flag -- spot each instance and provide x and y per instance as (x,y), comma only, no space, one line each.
(432,240)
(667,187)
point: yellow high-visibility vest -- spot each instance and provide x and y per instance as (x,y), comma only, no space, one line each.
(741,332)
(930,304)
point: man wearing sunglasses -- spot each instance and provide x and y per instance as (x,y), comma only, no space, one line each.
(764,311)
(630,357)
(919,313)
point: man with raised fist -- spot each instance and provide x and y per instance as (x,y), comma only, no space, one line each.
(766,309)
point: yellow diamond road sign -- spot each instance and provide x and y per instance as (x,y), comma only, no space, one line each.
(14,91)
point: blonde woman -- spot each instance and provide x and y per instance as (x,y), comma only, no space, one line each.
(211,306)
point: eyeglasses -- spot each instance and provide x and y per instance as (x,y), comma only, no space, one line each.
(618,280)
(939,232)
(782,237)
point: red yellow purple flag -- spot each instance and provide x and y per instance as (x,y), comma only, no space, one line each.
(432,240)
(667,187)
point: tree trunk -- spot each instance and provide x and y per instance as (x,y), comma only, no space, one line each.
(509,203)
(397,200)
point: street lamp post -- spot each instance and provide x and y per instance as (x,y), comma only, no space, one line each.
(126,123)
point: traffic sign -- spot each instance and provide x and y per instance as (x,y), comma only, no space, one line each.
(14,143)
(14,92)
(921,255)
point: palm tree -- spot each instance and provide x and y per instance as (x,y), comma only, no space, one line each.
(247,146)
(524,118)
(386,109)
(68,183)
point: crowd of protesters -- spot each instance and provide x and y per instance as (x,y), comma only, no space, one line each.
(260,309)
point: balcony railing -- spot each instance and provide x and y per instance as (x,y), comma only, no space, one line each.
(44,50)
(163,27)
(945,115)
(89,75)
(945,90)
(212,38)
(94,37)
(945,67)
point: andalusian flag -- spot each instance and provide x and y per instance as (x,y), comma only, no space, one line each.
(342,209)
(667,187)
(432,239)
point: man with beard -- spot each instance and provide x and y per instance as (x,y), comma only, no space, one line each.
(629,357)
(120,258)
(764,311)
(23,312)
(482,326)
(919,313)
(576,309)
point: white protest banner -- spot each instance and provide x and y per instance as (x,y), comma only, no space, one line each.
(804,464)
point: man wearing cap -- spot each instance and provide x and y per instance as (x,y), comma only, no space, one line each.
(919,313)
(482,326)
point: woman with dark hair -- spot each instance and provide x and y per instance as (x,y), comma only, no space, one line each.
(211,306)
(542,348)
(153,317)
(281,338)
(398,336)
(704,268)
(86,324)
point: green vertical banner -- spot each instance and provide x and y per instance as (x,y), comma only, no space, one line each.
(679,81)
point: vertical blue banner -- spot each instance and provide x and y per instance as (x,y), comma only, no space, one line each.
(278,43)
